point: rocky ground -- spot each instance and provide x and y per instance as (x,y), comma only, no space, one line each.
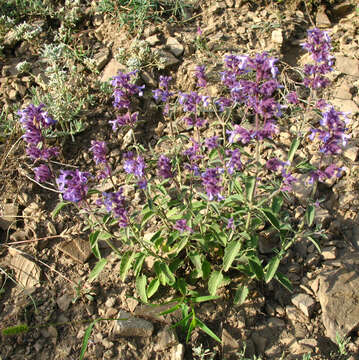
(45,264)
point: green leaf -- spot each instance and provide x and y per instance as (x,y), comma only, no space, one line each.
(161,276)
(200,299)
(314,242)
(86,339)
(58,208)
(277,203)
(104,235)
(310,214)
(241,294)
(126,263)
(271,218)
(97,269)
(94,244)
(171,279)
(153,287)
(207,330)
(214,282)
(206,269)
(181,286)
(284,281)
(250,183)
(191,327)
(140,257)
(256,267)
(271,268)
(293,148)
(196,260)
(170,310)
(146,216)
(230,254)
(141,282)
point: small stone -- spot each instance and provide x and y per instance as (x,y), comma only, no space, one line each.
(322,19)
(177,352)
(111,70)
(64,301)
(127,139)
(275,322)
(347,106)
(298,349)
(174,46)
(351,151)
(101,58)
(78,249)
(168,58)
(329,253)
(132,326)
(343,9)
(229,3)
(309,342)
(322,217)
(343,92)
(347,65)
(277,36)
(166,338)
(110,302)
(153,40)
(305,303)
(27,272)
(260,342)
(12,94)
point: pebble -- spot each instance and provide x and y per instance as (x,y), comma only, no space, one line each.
(132,326)
(305,303)
(329,253)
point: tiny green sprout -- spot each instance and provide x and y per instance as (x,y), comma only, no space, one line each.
(15,330)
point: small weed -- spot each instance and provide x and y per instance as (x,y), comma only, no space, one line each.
(203,354)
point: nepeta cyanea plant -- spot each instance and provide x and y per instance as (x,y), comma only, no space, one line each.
(209,199)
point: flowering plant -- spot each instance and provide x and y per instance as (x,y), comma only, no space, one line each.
(209,205)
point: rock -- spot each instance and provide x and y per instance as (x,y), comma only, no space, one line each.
(322,217)
(101,58)
(177,352)
(351,151)
(78,249)
(322,20)
(343,92)
(27,272)
(12,94)
(127,139)
(166,338)
(153,40)
(301,189)
(341,10)
(298,349)
(305,303)
(260,342)
(329,253)
(167,58)
(229,3)
(111,70)
(338,295)
(275,322)
(277,36)
(64,301)
(110,302)
(308,342)
(267,242)
(174,46)
(148,79)
(8,213)
(347,65)
(132,326)
(230,345)
(348,106)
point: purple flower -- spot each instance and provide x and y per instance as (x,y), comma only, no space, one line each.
(288,180)
(292,98)
(73,184)
(134,166)
(318,45)
(201,76)
(190,101)
(127,119)
(212,142)
(124,89)
(164,167)
(35,116)
(196,121)
(181,226)
(230,224)
(234,163)
(223,103)
(269,87)
(239,134)
(42,154)
(328,173)
(194,151)
(42,173)
(99,150)
(162,94)
(115,202)
(274,164)
(211,180)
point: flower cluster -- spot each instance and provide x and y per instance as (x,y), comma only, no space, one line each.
(135,166)
(34,120)
(164,167)
(99,151)
(73,184)
(319,46)
(124,89)
(162,93)
(115,202)
(181,226)
(256,95)
(211,181)
(201,76)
